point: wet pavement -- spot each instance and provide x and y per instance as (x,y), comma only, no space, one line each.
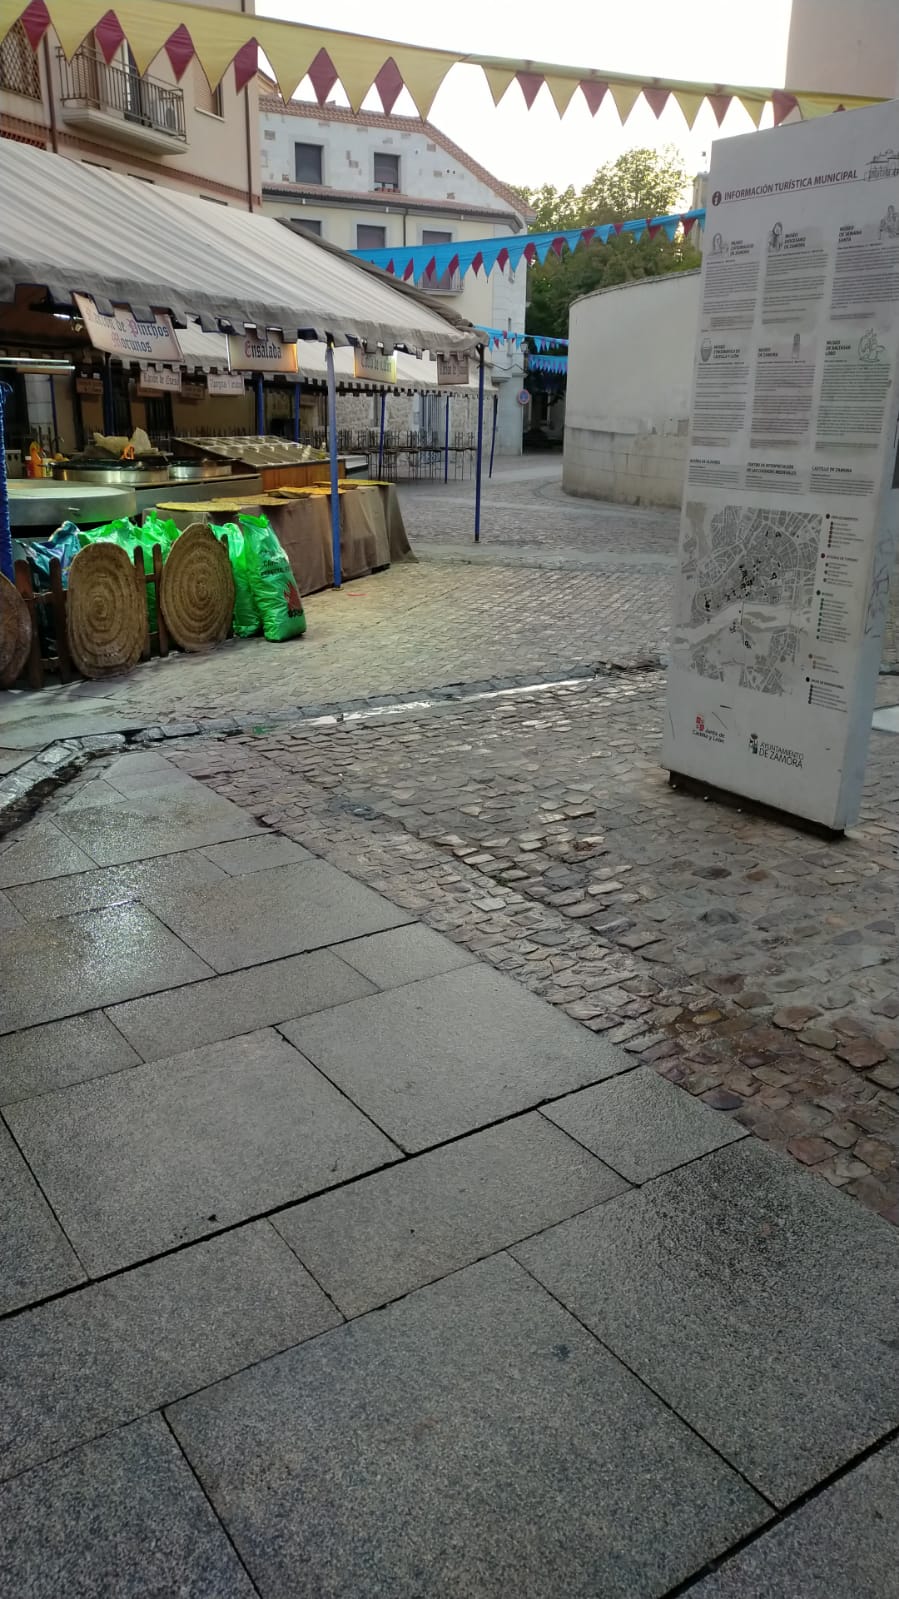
(435,1154)
(336,1260)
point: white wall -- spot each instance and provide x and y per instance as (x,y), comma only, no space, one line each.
(426,170)
(844,47)
(630,377)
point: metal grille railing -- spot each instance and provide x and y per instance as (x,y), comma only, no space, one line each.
(19,70)
(89,80)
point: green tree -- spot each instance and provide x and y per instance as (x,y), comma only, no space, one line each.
(641,183)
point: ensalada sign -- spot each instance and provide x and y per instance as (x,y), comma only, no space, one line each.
(260,352)
(122,334)
(789,520)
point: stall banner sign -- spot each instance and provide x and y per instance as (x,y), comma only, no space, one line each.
(193,392)
(161,380)
(788,527)
(373,367)
(89,386)
(225,383)
(121,334)
(452,371)
(260,352)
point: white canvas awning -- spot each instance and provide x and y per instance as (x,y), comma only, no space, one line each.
(69,228)
(209,351)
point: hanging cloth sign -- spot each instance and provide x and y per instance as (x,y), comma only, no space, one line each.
(225,383)
(161,380)
(260,352)
(372,366)
(122,334)
(452,371)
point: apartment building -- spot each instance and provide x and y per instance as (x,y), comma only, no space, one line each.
(156,126)
(363,180)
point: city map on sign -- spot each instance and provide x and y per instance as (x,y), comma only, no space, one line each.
(747,580)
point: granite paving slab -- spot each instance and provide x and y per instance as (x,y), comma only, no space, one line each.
(404,955)
(38,850)
(843,1544)
(94,791)
(753,1298)
(148,1159)
(9,916)
(58,1053)
(265,915)
(377,1238)
(441,1057)
(148,881)
(121,1517)
(643,1126)
(257,854)
(83,1364)
(176,817)
(78,963)
(471,1439)
(36,1259)
(142,772)
(239,1002)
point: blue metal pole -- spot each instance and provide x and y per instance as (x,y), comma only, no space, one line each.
(493,435)
(446,442)
(480,458)
(108,407)
(297,391)
(381,434)
(332,452)
(53,410)
(6,561)
(260,405)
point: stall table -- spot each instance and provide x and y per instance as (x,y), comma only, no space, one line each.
(372,532)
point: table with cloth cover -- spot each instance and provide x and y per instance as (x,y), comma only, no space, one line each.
(372,531)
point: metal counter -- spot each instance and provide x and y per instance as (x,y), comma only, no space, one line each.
(38,503)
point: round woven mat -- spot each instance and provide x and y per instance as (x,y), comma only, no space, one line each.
(15,632)
(106,611)
(197,589)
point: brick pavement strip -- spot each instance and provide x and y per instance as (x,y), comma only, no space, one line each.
(752,964)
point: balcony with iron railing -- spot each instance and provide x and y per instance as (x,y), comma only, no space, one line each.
(112,100)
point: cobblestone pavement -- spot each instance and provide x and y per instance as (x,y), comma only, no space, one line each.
(752,964)
(524,507)
(408,631)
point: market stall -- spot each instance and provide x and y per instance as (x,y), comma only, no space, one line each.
(154,255)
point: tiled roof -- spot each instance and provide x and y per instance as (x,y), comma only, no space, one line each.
(374,119)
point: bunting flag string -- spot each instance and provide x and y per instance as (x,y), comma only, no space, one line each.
(419,262)
(541,342)
(324,56)
(548,363)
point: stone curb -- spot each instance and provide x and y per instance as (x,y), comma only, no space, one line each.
(23,790)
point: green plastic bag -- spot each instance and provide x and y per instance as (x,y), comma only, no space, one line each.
(272,581)
(247,615)
(158,530)
(129,537)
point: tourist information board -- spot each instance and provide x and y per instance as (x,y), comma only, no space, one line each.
(790,510)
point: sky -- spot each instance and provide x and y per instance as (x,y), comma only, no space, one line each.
(656,38)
